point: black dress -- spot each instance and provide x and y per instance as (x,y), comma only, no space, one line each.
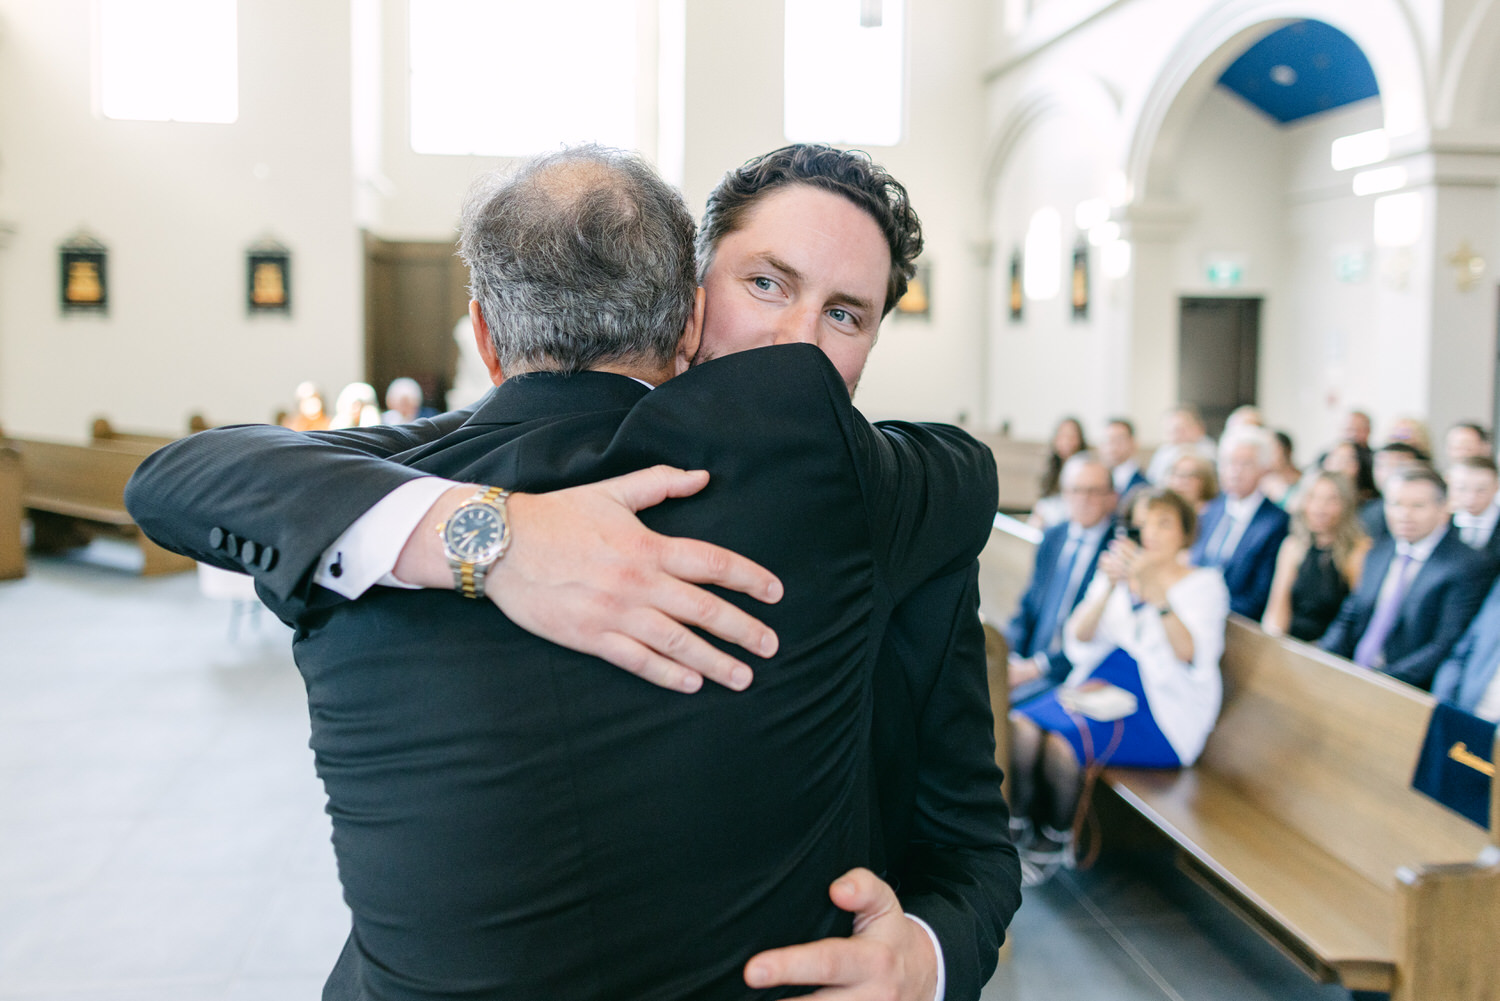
(1317,593)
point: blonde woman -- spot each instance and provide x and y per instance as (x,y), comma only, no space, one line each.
(1319,563)
(1195,480)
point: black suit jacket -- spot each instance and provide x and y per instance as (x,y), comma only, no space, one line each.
(1440,602)
(952,867)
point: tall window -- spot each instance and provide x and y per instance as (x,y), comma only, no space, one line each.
(168,60)
(516,77)
(844,71)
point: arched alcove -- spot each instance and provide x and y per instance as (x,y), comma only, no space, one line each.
(1382,30)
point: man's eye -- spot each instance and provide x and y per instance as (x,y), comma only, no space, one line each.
(840,316)
(764,284)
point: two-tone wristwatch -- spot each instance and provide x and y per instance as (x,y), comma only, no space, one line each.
(475,537)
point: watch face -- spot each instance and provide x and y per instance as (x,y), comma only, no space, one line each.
(474,534)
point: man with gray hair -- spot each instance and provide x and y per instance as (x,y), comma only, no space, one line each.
(1241,530)
(514,820)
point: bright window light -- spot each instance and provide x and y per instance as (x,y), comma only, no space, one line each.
(1375,182)
(1043,275)
(1359,150)
(1091,213)
(1116,261)
(168,60)
(1104,234)
(550,74)
(1398,219)
(844,81)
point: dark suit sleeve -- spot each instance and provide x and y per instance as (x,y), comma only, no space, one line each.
(1023,622)
(289,493)
(1456,609)
(932,493)
(1251,601)
(959,872)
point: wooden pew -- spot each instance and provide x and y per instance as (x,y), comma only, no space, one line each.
(75,491)
(1300,818)
(105,435)
(12,513)
(1021,465)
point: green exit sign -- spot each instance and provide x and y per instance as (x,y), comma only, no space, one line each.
(1225,274)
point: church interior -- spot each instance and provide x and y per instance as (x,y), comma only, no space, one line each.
(1128,205)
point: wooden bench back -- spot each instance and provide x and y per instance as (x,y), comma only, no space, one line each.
(1005,569)
(104,435)
(12,552)
(83,481)
(1330,748)
(1021,465)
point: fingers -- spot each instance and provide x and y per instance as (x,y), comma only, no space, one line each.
(645,663)
(667,638)
(706,563)
(648,487)
(864,894)
(831,962)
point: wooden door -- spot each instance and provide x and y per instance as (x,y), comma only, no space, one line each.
(1218,347)
(414,294)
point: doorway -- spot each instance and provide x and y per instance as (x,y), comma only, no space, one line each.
(1218,343)
(414,294)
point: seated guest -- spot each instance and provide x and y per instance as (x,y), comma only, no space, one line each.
(308,415)
(403,402)
(1149,624)
(1466,440)
(1357,428)
(1067,441)
(1118,453)
(1356,464)
(1468,677)
(1420,589)
(1064,567)
(1241,530)
(1243,417)
(1184,434)
(355,407)
(1194,479)
(1391,457)
(1413,432)
(1319,563)
(1281,480)
(1472,489)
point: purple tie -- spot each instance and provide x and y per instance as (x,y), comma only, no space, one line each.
(1372,644)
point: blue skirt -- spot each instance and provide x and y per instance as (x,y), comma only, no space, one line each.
(1141,744)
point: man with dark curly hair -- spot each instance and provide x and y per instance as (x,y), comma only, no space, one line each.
(807,244)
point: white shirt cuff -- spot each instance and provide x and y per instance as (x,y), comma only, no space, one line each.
(368,550)
(942,972)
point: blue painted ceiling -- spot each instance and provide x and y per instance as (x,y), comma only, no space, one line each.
(1301,69)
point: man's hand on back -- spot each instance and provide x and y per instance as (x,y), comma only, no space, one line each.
(889,956)
(584,573)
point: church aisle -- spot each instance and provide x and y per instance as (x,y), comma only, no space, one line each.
(162,835)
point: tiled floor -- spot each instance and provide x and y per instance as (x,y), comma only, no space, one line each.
(162,835)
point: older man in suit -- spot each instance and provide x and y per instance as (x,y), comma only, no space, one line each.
(1065,563)
(1420,588)
(1241,530)
(768,269)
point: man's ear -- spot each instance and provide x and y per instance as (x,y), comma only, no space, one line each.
(692,334)
(483,342)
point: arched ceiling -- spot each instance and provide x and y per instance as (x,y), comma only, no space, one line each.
(1301,69)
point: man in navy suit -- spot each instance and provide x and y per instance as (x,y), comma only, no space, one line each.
(1118,453)
(1472,488)
(1241,530)
(1420,588)
(1065,563)
(1467,678)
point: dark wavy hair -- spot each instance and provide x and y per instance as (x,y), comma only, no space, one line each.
(850,173)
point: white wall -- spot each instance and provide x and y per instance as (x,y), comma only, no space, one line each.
(177,205)
(921,368)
